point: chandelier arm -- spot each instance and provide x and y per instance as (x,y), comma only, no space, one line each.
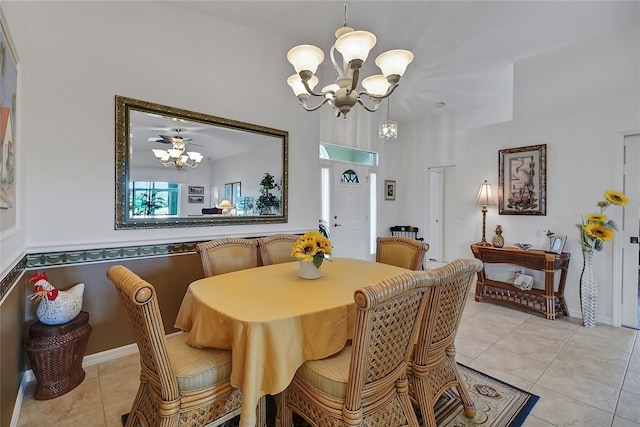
(354,79)
(375,107)
(311,92)
(380,97)
(338,68)
(316,107)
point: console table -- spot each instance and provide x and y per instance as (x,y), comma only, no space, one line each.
(547,301)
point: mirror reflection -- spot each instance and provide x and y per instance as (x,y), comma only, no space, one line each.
(179,168)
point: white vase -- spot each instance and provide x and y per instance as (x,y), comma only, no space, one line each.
(588,292)
(308,270)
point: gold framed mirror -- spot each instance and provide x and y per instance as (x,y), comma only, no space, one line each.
(173,167)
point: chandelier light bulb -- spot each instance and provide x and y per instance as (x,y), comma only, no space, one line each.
(394,62)
(305,57)
(355,45)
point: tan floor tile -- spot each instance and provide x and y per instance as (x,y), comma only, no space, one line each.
(532,421)
(85,398)
(606,337)
(535,346)
(634,362)
(501,375)
(471,347)
(632,381)
(621,422)
(628,407)
(578,387)
(512,363)
(564,411)
(604,367)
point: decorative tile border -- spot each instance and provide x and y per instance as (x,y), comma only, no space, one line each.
(8,280)
(50,259)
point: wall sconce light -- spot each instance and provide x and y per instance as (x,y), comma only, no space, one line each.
(485,198)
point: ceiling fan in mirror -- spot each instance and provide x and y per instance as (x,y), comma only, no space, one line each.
(176,155)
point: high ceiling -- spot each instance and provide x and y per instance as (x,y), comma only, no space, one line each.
(463,49)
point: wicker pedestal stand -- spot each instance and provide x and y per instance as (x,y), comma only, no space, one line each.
(55,353)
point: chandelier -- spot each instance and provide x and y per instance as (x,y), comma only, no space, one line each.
(354,47)
(389,129)
(176,156)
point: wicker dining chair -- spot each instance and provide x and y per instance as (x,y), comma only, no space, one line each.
(226,255)
(433,368)
(365,383)
(179,385)
(401,251)
(276,249)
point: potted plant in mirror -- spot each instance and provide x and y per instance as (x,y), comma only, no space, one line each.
(268,203)
(147,204)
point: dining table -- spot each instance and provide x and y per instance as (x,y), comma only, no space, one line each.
(273,320)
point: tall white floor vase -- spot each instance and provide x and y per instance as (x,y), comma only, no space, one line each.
(588,292)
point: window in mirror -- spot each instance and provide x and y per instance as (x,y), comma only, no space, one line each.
(154,198)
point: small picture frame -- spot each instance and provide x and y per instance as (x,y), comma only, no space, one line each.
(196,199)
(389,190)
(556,244)
(196,189)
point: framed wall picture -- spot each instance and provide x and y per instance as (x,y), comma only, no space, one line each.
(196,189)
(9,83)
(556,244)
(522,180)
(389,190)
(196,199)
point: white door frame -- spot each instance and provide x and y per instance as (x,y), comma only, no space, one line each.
(616,291)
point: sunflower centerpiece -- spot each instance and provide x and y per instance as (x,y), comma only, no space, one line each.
(311,249)
(596,228)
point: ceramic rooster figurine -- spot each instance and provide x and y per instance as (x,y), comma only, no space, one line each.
(56,306)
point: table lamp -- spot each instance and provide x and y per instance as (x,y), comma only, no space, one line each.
(226,206)
(485,198)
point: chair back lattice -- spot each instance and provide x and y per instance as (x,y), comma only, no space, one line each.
(385,329)
(445,305)
(276,249)
(401,251)
(405,231)
(226,255)
(140,303)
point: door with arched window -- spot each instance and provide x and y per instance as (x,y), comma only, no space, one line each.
(349,219)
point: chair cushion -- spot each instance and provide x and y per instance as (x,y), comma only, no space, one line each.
(197,368)
(328,375)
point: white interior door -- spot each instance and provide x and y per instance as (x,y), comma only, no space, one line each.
(630,231)
(435,240)
(349,219)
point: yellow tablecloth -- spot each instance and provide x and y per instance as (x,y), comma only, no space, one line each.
(274,321)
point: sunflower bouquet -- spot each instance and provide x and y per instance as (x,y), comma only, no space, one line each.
(312,247)
(597,228)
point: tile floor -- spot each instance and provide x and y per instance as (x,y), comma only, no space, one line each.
(584,377)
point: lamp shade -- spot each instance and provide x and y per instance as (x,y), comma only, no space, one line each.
(225,204)
(305,57)
(296,84)
(485,197)
(376,84)
(355,45)
(394,62)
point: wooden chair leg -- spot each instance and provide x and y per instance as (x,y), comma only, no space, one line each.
(284,415)
(469,407)
(261,412)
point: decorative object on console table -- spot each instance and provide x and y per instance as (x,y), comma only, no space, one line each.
(56,353)
(595,229)
(485,198)
(522,180)
(498,240)
(547,301)
(311,249)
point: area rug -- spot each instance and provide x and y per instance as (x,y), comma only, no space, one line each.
(498,404)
